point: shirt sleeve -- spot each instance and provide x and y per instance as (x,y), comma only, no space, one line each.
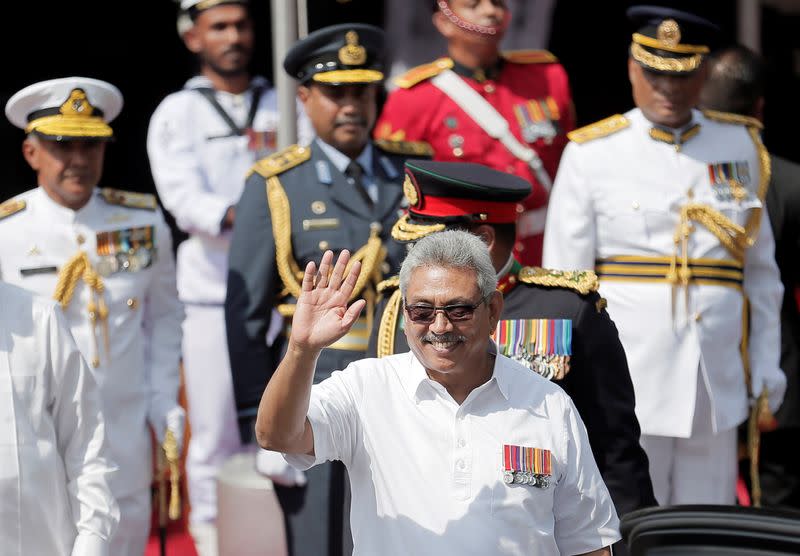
(176,170)
(81,441)
(585,518)
(764,290)
(333,414)
(569,235)
(162,329)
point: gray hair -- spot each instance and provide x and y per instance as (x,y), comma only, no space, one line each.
(451,249)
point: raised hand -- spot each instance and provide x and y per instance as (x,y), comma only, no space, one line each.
(321,316)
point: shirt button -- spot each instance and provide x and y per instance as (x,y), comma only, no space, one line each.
(132,303)
(461,443)
(635,205)
(461,464)
(81,239)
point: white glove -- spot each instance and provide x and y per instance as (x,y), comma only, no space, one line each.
(775,383)
(278,469)
(175,422)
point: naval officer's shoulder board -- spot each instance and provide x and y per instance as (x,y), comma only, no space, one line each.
(129,199)
(11,207)
(603,128)
(281,161)
(583,282)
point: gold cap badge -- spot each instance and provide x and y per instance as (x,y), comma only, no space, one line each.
(352,54)
(410,191)
(669,32)
(77,104)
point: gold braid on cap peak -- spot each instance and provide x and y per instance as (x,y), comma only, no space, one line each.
(660,63)
(403,230)
(349,76)
(669,46)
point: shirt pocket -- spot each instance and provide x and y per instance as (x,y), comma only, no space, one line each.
(520,505)
(624,219)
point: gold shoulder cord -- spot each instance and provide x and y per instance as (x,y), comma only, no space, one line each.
(754,221)
(388,325)
(77,268)
(370,255)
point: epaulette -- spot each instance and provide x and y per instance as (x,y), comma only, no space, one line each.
(281,161)
(423,72)
(730,118)
(12,206)
(406,148)
(530,57)
(581,281)
(129,199)
(605,127)
(388,284)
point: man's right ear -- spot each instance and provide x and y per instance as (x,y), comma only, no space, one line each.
(303,92)
(29,149)
(191,38)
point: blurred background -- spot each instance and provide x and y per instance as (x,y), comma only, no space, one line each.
(137,48)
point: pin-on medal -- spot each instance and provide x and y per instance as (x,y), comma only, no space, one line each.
(729,180)
(526,466)
(538,119)
(542,345)
(127,250)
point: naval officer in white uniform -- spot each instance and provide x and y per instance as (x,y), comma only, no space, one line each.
(666,202)
(106,256)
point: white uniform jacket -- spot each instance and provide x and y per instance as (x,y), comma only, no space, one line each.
(619,197)
(138,375)
(199,167)
(54,494)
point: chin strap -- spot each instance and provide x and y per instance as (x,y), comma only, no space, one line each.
(444,7)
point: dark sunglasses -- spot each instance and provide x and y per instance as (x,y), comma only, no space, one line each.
(422,313)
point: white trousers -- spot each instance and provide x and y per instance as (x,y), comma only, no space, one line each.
(701,469)
(212,410)
(130,538)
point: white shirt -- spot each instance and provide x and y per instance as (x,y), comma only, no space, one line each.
(138,378)
(54,493)
(199,169)
(426,474)
(621,195)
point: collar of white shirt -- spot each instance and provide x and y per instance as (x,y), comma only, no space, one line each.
(417,380)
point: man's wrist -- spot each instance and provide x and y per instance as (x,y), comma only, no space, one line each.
(302,353)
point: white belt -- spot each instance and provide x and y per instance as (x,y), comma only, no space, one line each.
(531,222)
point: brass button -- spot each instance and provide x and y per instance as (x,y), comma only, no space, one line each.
(458,152)
(697,317)
(376,227)
(323,245)
(81,239)
(318,207)
(132,303)
(385,268)
(489,88)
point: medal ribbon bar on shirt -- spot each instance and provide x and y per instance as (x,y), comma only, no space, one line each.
(523,465)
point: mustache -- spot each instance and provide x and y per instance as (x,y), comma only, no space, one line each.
(358,120)
(235,49)
(430,337)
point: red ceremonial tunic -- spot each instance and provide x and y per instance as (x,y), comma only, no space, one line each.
(530,90)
